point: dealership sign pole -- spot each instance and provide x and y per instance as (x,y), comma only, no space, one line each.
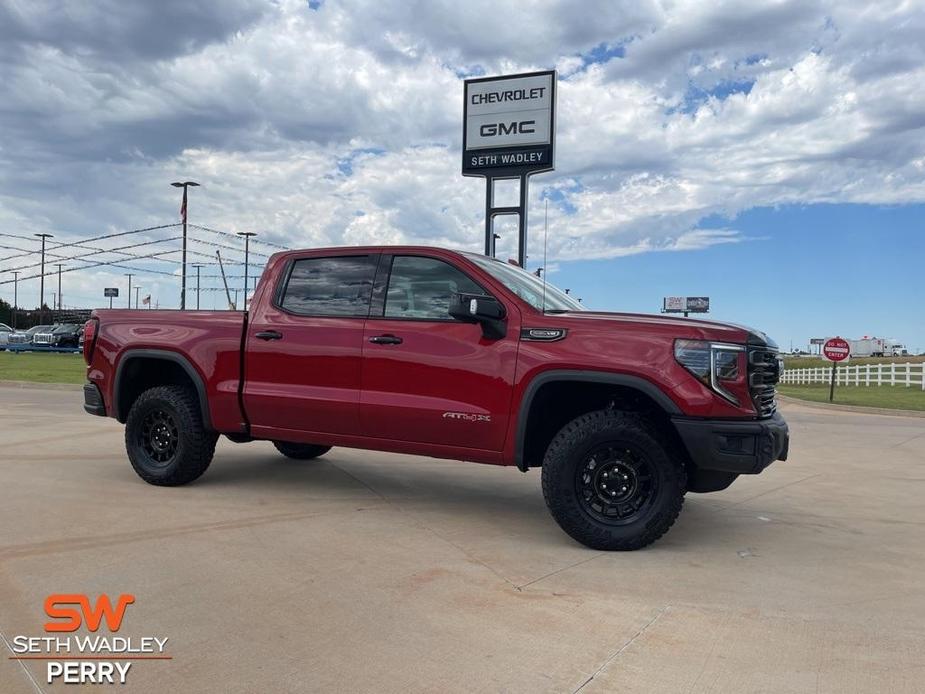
(111,292)
(509,133)
(835,350)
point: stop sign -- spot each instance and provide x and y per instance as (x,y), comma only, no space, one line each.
(836,349)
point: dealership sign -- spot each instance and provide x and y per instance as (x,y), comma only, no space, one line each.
(110,292)
(509,124)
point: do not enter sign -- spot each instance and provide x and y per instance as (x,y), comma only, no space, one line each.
(836,349)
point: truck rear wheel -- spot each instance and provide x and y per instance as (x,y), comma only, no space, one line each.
(611,482)
(300,451)
(165,438)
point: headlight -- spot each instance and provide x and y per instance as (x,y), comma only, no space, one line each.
(711,363)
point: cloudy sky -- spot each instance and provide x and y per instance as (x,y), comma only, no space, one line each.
(770,154)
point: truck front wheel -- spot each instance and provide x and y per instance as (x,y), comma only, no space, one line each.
(165,438)
(611,482)
(300,451)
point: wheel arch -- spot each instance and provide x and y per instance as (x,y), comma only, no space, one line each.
(535,430)
(168,368)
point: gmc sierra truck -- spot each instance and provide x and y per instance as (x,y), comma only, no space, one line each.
(433,352)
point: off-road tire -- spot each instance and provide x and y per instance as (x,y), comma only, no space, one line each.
(565,485)
(176,409)
(300,451)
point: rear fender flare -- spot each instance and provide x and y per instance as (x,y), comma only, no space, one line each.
(163,355)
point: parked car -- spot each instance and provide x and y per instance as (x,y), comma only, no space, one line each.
(66,335)
(25,337)
(5,332)
(45,337)
(432,352)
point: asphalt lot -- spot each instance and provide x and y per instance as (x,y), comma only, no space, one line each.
(377,572)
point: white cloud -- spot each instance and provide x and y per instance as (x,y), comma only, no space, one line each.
(342,125)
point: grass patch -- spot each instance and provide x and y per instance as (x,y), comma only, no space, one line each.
(816,362)
(890,397)
(42,367)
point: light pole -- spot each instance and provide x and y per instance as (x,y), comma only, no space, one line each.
(137,289)
(494,241)
(129,275)
(247,249)
(198,267)
(42,280)
(15,295)
(184,185)
(60,302)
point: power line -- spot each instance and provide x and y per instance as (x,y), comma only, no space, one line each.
(228,233)
(94,238)
(110,263)
(119,249)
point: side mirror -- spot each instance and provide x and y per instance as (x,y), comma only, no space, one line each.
(479,308)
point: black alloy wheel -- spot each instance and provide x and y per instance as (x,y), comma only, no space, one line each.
(616,484)
(159,436)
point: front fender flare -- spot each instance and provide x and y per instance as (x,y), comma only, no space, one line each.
(555,375)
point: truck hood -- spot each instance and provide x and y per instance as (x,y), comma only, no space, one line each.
(684,328)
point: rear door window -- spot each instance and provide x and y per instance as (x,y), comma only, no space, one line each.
(335,286)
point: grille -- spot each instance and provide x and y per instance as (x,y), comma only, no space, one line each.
(764,370)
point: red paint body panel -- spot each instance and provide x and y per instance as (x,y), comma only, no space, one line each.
(418,390)
(209,340)
(325,383)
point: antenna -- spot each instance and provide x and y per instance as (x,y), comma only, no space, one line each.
(545,236)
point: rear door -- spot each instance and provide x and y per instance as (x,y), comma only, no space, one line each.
(427,377)
(304,346)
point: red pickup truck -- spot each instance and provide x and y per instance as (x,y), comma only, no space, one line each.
(434,352)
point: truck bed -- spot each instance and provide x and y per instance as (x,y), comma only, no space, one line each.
(208,341)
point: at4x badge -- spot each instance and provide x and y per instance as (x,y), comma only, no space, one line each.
(467,417)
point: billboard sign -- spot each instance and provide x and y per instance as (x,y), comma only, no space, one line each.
(109,292)
(698,304)
(817,341)
(509,124)
(686,304)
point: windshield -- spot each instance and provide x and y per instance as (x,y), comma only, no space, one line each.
(528,287)
(38,329)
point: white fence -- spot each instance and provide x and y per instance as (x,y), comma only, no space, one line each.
(909,375)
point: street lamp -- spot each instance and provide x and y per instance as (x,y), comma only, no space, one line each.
(42,281)
(15,295)
(60,303)
(247,249)
(137,289)
(129,293)
(198,267)
(184,185)
(494,240)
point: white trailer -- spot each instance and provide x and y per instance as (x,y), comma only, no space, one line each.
(867,347)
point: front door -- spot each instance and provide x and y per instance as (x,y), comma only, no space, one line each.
(304,346)
(427,377)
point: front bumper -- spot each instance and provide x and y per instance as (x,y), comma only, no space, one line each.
(93,400)
(739,447)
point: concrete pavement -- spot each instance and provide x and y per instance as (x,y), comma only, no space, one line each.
(376,572)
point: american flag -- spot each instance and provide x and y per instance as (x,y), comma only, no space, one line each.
(147,300)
